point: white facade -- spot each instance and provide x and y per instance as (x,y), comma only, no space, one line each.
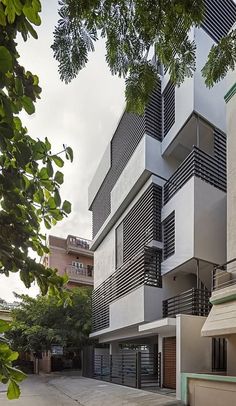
(188,169)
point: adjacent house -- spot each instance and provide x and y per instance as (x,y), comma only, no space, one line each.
(158,201)
(71,256)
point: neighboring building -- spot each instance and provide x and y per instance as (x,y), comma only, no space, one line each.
(71,256)
(158,200)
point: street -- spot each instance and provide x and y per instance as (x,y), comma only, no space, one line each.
(71,390)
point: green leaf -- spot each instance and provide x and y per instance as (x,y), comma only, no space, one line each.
(28,104)
(4,326)
(57,197)
(66,207)
(70,154)
(5,60)
(18,375)
(31,14)
(13,390)
(10,12)
(13,356)
(43,174)
(59,177)
(19,86)
(2,16)
(52,203)
(58,161)
(47,144)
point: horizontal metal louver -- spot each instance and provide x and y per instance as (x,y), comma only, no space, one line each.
(153,114)
(143,269)
(219,17)
(168,99)
(220,148)
(169,236)
(123,144)
(143,222)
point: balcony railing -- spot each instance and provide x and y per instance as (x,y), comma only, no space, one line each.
(194,301)
(200,164)
(80,275)
(224,275)
(76,244)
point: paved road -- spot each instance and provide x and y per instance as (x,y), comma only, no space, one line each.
(77,391)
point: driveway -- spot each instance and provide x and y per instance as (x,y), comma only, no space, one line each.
(72,390)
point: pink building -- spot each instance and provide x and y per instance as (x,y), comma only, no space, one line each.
(71,256)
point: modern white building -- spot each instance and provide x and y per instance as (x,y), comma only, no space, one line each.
(158,201)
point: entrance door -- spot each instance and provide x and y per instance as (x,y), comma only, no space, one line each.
(169,362)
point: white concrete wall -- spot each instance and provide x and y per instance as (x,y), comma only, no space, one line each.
(200,224)
(209,103)
(104,259)
(184,106)
(193,352)
(145,159)
(103,168)
(209,222)
(193,95)
(183,205)
(141,305)
(231,171)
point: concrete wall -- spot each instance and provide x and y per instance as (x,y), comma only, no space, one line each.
(209,222)
(207,392)
(231,175)
(146,158)
(208,103)
(200,224)
(103,168)
(193,352)
(183,205)
(141,305)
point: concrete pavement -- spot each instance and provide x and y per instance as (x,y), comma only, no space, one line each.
(63,390)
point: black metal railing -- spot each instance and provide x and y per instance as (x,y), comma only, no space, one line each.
(200,164)
(194,301)
(224,275)
(78,242)
(132,368)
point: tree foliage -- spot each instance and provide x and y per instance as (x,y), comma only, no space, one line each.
(137,31)
(40,322)
(29,178)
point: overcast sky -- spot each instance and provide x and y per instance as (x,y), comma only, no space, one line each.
(82,115)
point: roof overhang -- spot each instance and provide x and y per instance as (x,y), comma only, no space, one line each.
(162,326)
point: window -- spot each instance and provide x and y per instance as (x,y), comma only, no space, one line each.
(219,354)
(77,264)
(169,236)
(119,245)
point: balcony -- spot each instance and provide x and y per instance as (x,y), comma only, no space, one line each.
(121,289)
(83,276)
(200,164)
(223,276)
(194,301)
(77,245)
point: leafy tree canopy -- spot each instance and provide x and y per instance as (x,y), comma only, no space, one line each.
(135,31)
(30,173)
(40,322)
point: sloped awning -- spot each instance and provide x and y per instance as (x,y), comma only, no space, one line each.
(222,317)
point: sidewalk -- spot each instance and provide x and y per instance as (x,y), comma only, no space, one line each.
(91,392)
(72,390)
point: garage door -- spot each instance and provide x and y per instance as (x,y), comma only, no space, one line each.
(169,362)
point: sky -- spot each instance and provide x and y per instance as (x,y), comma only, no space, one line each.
(82,115)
